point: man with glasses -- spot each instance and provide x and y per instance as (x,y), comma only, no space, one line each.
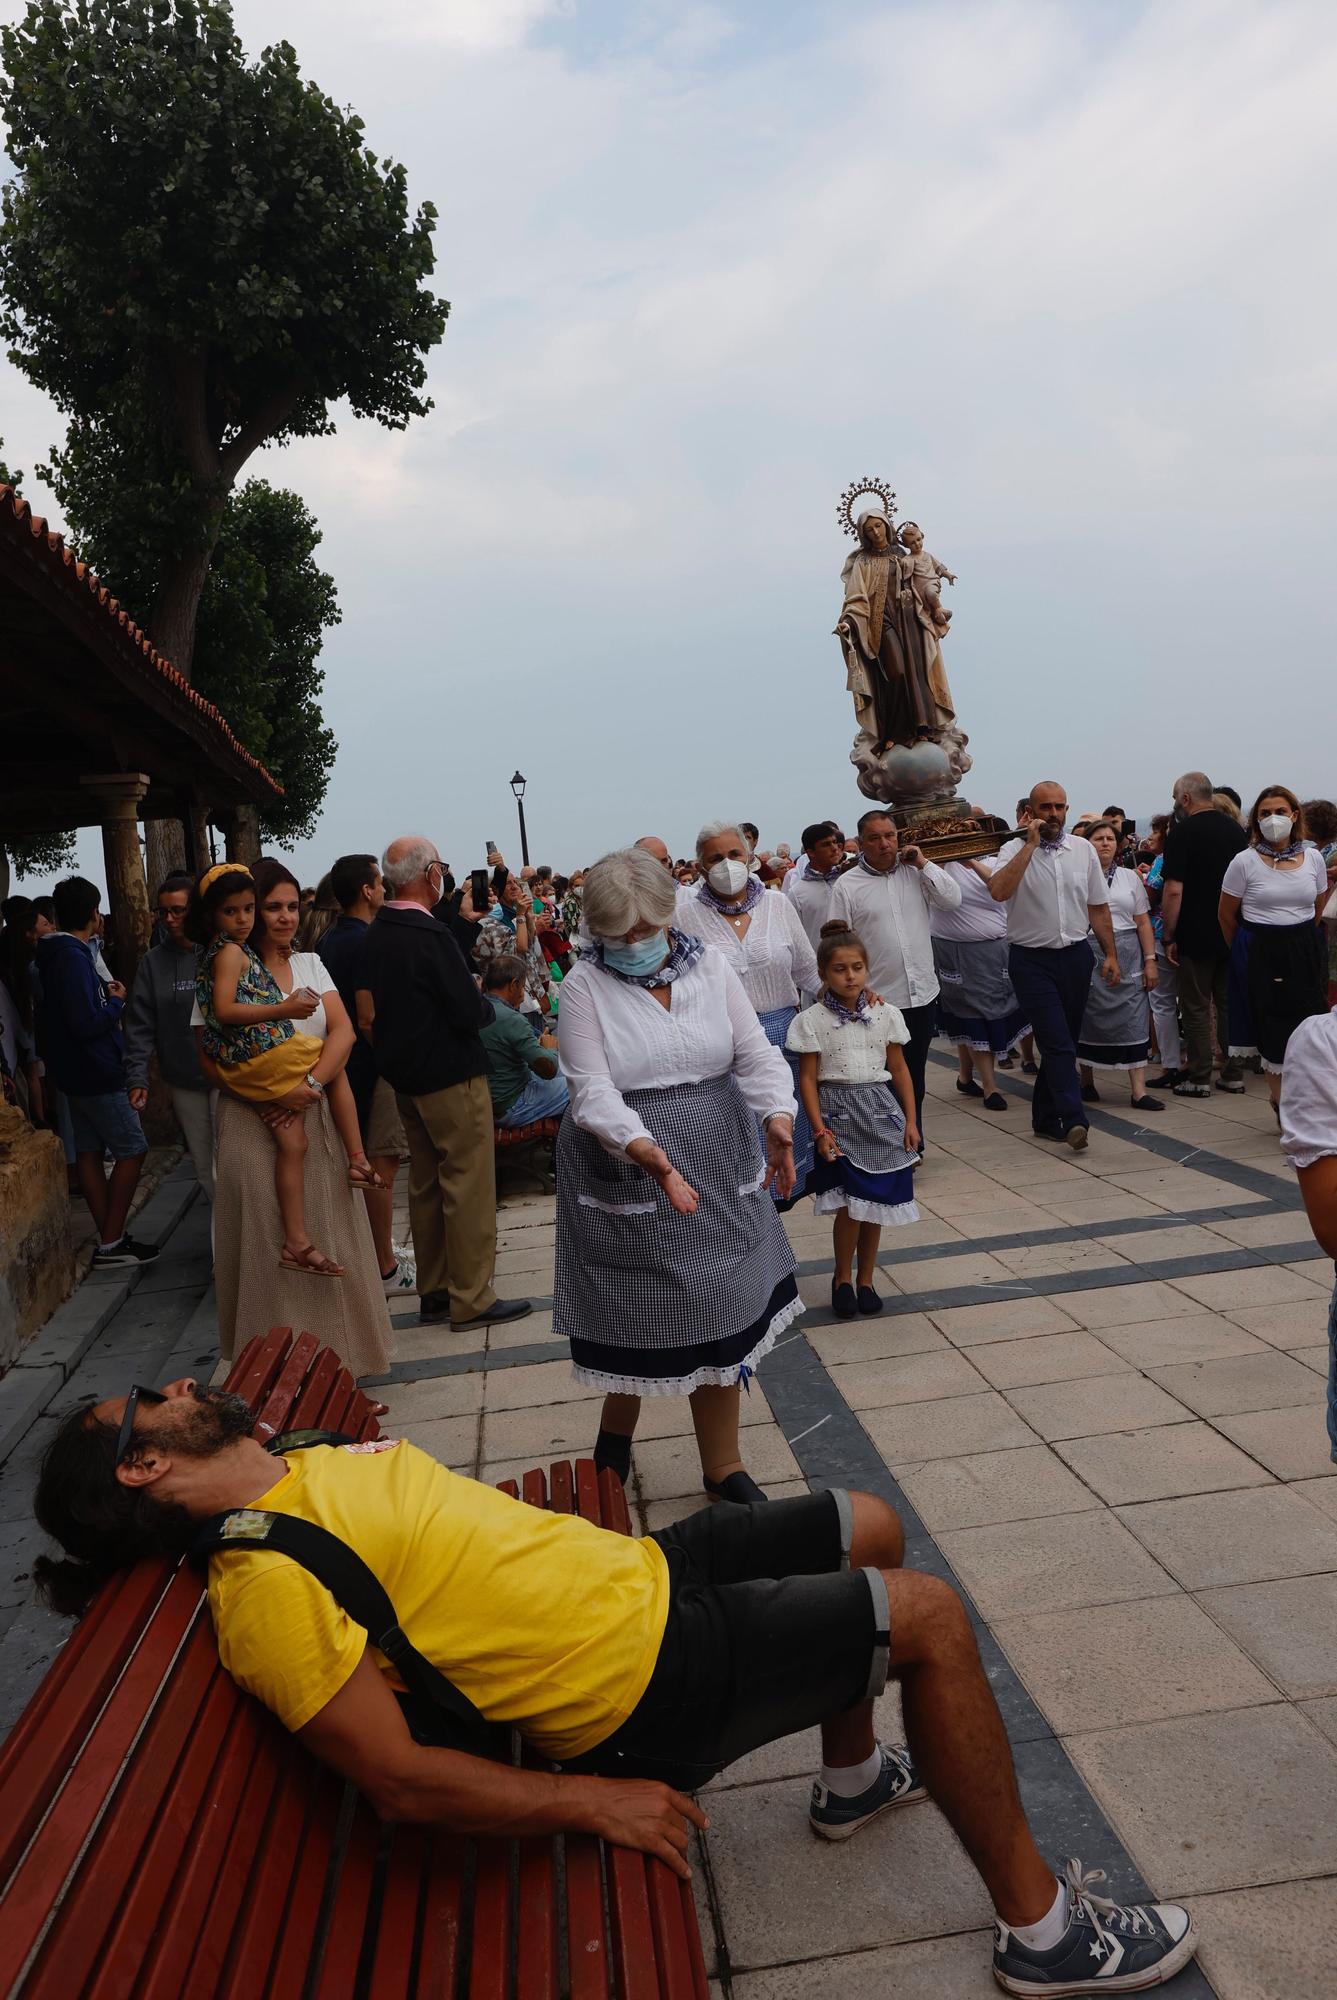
(419,1008)
(157,1023)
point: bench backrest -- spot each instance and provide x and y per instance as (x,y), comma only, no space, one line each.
(162,1836)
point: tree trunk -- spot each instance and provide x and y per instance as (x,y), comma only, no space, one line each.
(164,850)
(243,835)
(177,605)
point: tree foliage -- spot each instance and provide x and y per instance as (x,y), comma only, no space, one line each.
(198,254)
(32,854)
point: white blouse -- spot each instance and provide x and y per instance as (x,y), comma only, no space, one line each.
(847,1051)
(977,917)
(1271,895)
(613,1036)
(774,958)
(1309,1092)
(308,968)
(1128,899)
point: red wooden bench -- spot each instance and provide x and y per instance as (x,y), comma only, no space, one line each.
(162,1837)
(542,1132)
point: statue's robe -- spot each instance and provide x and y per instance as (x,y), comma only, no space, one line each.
(893,662)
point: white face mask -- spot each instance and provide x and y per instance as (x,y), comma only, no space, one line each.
(1276,828)
(728,878)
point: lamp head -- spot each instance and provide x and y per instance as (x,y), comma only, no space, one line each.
(518,785)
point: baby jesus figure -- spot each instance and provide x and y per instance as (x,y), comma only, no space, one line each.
(920,572)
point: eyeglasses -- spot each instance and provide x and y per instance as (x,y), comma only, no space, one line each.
(132,1402)
(163,914)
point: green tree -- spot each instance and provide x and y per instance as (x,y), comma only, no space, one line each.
(198,255)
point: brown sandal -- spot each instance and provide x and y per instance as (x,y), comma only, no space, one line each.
(300,1260)
(361,1174)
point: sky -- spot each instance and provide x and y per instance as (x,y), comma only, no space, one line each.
(1063,274)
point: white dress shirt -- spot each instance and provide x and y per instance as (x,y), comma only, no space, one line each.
(811,898)
(1048,907)
(1309,1092)
(773,958)
(890,913)
(847,1051)
(978,916)
(613,1036)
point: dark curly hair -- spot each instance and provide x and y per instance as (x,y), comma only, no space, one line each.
(104,1526)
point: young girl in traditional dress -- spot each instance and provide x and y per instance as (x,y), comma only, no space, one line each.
(249,1033)
(856,1089)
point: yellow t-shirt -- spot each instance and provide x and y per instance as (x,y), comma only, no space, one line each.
(543,1620)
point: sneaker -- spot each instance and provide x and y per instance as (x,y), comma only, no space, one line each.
(115,1256)
(1194,1089)
(402,1277)
(1106,1948)
(1077,1136)
(896,1784)
(1231,1080)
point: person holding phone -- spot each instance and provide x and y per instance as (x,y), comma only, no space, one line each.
(510,927)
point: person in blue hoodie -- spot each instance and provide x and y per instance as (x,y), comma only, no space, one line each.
(81,1044)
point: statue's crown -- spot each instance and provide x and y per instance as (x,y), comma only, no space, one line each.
(845,510)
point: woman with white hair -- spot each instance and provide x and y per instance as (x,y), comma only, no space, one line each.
(674,1276)
(761,937)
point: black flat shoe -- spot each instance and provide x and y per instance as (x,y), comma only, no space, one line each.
(739,1487)
(970,1089)
(1148,1104)
(869,1302)
(1030,1069)
(1168,1081)
(1090,1095)
(995,1101)
(843,1302)
(612,1453)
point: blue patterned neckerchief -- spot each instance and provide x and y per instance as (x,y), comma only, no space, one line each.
(684,953)
(752,895)
(1270,853)
(1113,870)
(828,875)
(847,1015)
(1053,846)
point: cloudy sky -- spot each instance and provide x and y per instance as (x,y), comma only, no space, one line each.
(1061,273)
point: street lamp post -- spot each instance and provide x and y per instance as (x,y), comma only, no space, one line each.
(518,787)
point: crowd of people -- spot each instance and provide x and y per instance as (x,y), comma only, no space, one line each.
(714,1038)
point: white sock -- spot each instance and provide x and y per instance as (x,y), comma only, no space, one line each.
(848,1780)
(1046,1934)
(114,1244)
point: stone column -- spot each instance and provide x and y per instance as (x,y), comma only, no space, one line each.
(117,795)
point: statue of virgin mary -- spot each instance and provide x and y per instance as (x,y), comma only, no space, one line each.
(893,657)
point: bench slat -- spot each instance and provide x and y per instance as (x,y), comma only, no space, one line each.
(274,1411)
(392,1964)
(307,1892)
(337,1977)
(489,1950)
(443,1896)
(265,1907)
(258,1366)
(231,1882)
(75,1940)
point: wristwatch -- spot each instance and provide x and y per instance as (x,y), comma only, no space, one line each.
(316,1085)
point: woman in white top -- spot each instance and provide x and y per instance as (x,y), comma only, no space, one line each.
(673,1274)
(1116,1023)
(1271,913)
(760,935)
(347,1312)
(977,1008)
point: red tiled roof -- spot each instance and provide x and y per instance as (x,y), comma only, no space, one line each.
(75,576)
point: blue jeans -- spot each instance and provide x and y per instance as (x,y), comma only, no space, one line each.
(1052,987)
(1332,1377)
(542,1097)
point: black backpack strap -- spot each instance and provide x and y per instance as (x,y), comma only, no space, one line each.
(303,1440)
(352,1585)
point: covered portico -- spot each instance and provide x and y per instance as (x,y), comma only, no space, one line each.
(98,729)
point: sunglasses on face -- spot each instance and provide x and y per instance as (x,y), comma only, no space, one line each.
(132,1403)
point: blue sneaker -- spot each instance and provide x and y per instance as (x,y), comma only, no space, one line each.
(1107,1947)
(896,1784)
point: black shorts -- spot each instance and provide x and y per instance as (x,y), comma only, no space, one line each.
(769,1631)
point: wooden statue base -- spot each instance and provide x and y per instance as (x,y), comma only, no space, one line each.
(953,832)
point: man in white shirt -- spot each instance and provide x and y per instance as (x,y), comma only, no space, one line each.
(809,886)
(1055,891)
(1309,1140)
(886,898)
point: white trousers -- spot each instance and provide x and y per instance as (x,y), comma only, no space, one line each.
(1165,1012)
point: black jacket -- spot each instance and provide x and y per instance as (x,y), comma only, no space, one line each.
(428,1010)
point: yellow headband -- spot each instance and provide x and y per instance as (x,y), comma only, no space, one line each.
(211,875)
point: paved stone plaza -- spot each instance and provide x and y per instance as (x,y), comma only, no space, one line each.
(1096,1393)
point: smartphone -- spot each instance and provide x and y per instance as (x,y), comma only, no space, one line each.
(492,848)
(478,889)
(500,877)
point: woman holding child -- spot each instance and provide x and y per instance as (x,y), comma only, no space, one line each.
(328,1285)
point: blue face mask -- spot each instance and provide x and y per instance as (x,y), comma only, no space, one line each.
(646,955)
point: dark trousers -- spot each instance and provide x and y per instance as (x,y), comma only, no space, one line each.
(1204,983)
(921,1021)
(1051,987)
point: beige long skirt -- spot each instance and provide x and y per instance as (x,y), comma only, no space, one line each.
(348,1313)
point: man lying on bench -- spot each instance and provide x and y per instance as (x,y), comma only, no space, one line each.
(647,1666)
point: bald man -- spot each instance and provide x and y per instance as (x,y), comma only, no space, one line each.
(419,1008)
(653,845)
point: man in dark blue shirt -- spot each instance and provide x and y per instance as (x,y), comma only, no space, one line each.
(356,885)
